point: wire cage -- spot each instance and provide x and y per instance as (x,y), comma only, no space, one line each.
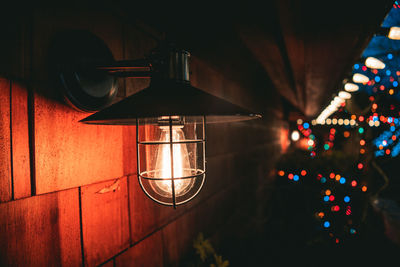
(171,157)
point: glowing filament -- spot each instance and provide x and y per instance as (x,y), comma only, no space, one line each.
(181,165)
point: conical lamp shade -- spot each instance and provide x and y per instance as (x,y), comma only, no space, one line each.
(170,98)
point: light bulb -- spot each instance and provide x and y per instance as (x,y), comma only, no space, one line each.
(344,95)
(351,87)
(180,165)
(171,158)
(295,135)
(360,78)
(374,63)
(394,33)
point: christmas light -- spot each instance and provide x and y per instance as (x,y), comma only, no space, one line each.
(351,87)
(344,95)
(295,136)
(360,78)
(394,33)
(364,188)
(328,192)
(374,63)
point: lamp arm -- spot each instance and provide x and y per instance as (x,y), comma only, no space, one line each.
(139,68)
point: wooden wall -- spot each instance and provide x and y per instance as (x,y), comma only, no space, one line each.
(52,169)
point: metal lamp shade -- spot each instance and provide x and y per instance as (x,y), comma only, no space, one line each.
(167,97)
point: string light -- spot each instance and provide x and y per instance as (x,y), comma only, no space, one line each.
(364,188)
(394,33)
(360,78)
(344,95)
(374,63)
(351,87)
(295,135)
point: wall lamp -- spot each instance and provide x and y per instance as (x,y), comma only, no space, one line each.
(170,115)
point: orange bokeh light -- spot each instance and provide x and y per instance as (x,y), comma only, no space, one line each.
(364,188)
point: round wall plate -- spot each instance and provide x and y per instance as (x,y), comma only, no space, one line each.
(74,56)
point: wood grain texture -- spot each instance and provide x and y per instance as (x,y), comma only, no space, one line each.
(147,253)
(67,153)
(137,45)
(209,79)
(178,237)
(70,154)
(105,220)
(20,141)
(208,217)
(5,142)
(108,263)
(41,231)
(15,46)
(146,215)
(129,150)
